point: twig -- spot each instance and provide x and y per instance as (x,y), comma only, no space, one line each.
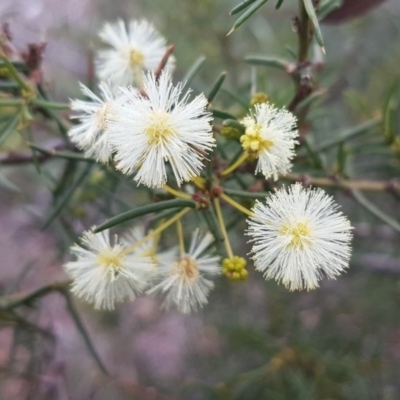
(333,182)
(82,330)
(13,301)
(45,154)
(164,61)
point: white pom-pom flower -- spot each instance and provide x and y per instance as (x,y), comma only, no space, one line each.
(90,134)
(271,137)
(149,132)
(134,48)
(185,282)
(299,237)
(106,273)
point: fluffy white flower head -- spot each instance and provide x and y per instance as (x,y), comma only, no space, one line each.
(271,137)
(104,274)
(134,48)
(299,236)
(185,281)
(147,132)
(90,134)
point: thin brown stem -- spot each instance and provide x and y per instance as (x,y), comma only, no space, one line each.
(333,182)
(164,61)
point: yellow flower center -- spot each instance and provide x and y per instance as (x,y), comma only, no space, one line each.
(160,127)
(111,260)
(136,58)
(187,267)
(299,233)
(253,142)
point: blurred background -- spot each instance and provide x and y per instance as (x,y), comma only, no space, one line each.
(255,340)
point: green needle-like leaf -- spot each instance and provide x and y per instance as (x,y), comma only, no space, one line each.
(240,21)
(222,114)
(374,210)
(82,330)
(240,7)
(6,102)
(140,211)
(268,62)
(308,5)
(9,128)
(389,112)
(326,7)
(67,196)
(50,104)
(216,87)
(348,134)
(246,195)
(193,70)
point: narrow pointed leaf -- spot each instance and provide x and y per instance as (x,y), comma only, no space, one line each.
(212,222)
(7,184)
(140,211)
(389,112)
(246,195)
(241,101)
(309,100)
(222,114)
(6,102)
(268,62)
(240,21)
(50,104)
(82,330)
(216,87)
(67,196)
(308,5)
(8,84)
(9,128)
(278,4)
(193,70)
(240,7)
(348,134)
(374,210)
(325,8)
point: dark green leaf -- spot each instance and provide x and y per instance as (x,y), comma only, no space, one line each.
(222,114)
(194,69)
(326,7)
(9,128)
(140,211)
(268,61)
(5,183)
(82,330)
(348,134)
(240,21)
(308,5)
(374,210)
(67,195)
(247,195)
(389,112)
(240,100)
(240,7)
(216,87)
(50,104)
